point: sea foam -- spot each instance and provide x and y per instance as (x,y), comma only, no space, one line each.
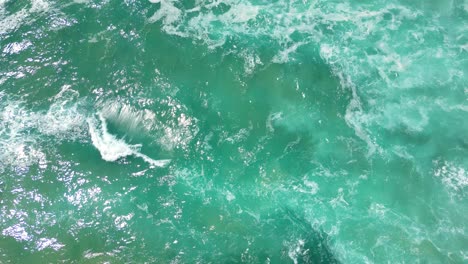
(23,129)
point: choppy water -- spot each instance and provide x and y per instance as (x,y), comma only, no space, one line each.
(231,131)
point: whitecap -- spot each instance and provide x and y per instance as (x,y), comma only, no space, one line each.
(112,148)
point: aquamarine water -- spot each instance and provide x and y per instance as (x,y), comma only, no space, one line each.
(235,131)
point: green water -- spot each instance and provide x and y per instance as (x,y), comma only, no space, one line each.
(233,131)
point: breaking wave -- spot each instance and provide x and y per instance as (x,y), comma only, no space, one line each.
(112,148)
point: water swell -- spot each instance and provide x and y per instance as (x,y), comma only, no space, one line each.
(342,137)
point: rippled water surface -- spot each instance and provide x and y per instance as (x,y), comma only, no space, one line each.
(235,131)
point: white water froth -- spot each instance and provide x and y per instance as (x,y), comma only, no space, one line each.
(373,49)
(240,13)
(296,250)
(168,13)
(23,131)
(10,22)
(111,148)
(453,176)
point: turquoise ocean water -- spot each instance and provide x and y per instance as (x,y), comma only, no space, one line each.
(235,131)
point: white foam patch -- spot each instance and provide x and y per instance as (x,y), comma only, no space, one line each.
(23,132)
(63,119)
(357,119)
(230,196)
(240,13)
(18,148)
(169,14)
(454,177)
(410,113)
(296,249)
(18,232)
(112,148)
(251,61)
(10,22)
(369,70)
(283,56)
(51,243)
(309,187)
(39,6)
(378,210)
(16,47)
